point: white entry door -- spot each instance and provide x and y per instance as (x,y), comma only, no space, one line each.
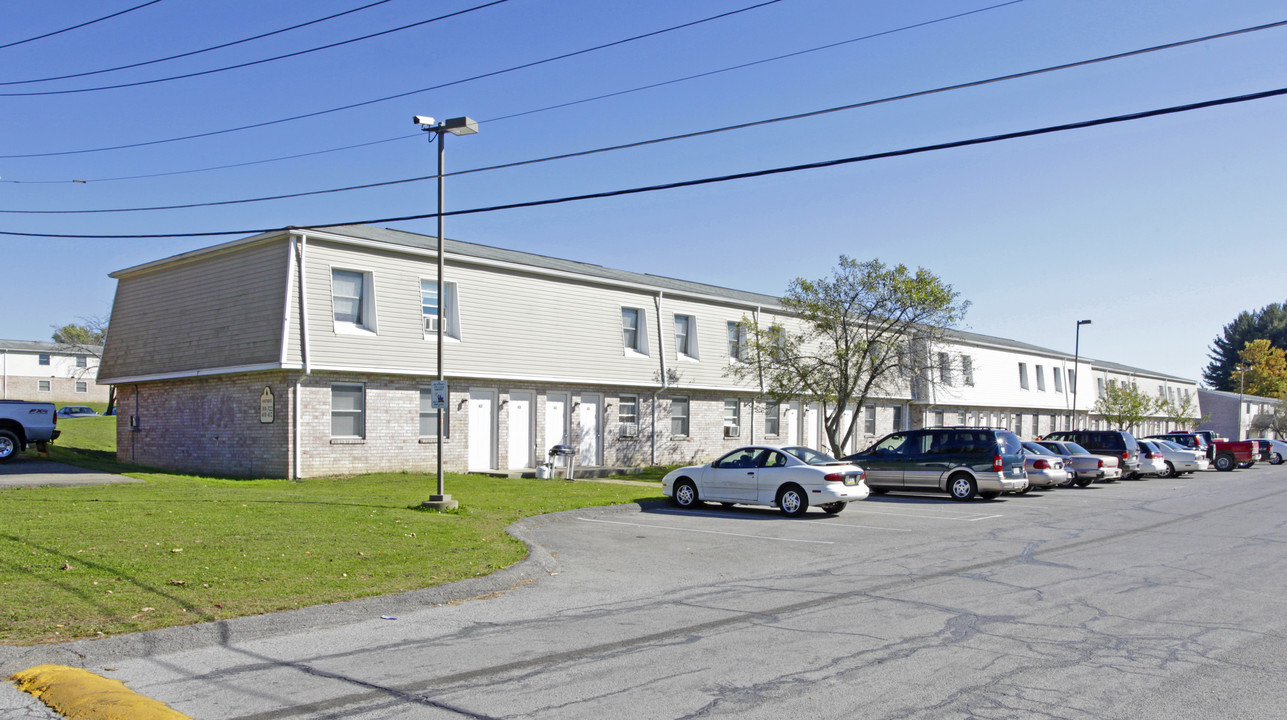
(811,426)
(791,422)
(588,423)
(482,430)
(520,429)
(556,421)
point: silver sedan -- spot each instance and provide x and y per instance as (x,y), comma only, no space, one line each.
(1179,459)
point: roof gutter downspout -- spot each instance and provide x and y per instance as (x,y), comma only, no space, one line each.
(302,241)
(665,379)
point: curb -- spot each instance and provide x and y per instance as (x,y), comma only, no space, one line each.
(76,693)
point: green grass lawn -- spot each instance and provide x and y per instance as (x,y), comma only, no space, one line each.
(103,560)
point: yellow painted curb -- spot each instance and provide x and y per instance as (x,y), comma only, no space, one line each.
(82,695)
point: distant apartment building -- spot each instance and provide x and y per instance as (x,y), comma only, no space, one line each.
(32,370)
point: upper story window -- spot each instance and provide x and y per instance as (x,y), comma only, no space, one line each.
(82,361)
(736,340)
(686,336)
(352,300)
(44,358)
(967,370)
(945,369)
(435,309)
(1099,382)
(1041,378)
(1023,375)
(634,333)
(1059,382)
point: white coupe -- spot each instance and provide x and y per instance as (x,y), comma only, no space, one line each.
(791,478)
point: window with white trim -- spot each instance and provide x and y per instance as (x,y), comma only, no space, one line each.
(967,370)
(43,386)
(732,414)
(1059,382)
(634,331)
(435,309)
(628,410)
(1041,378)
(82,386)
(869,420)
(348,410)
(679,416)
(352,300)
(82,361)
(429,417)
(1023,376)
(736,340)
(686,336)
(43,359)
(945,369)
(772,417)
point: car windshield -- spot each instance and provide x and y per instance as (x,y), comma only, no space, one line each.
(1172,445)
(1036,449)
(810,456)
(1076,449)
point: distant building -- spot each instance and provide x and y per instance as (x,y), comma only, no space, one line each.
(310,352)
(1231,415)
(32,370)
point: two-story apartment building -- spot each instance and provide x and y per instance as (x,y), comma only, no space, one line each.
(32,370)
(310,352)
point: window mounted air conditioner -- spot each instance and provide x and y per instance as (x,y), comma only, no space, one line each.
(431,323)
(629,430)
(730,431)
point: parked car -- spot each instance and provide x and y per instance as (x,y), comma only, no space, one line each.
(1180,460)
(1045,468)
(1191,440)
(961,461)
(791,478)
(1152,461)
(1118,443)
(1085,466)
(75,411)
(1277,450)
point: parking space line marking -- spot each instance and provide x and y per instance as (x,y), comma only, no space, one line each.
(708,532)
(985,517)
(927,517)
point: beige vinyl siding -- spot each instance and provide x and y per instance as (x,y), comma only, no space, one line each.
(223,311)
(710,337)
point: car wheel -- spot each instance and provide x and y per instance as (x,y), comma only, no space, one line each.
(1169,471)
(9,445)
(961,487)
(833,508)
(1027,489)
(990,495)
(1072,480)
(1225,463)
(792,501)
(1085,481)
(1276,459)
(685,494)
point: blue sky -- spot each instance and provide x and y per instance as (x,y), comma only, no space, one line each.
(1159,230)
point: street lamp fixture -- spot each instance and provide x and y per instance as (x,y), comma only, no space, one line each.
(455,126)
(1076,370)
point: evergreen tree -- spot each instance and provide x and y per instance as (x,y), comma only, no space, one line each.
(1268,323)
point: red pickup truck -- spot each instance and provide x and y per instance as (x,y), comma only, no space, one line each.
(1229,454)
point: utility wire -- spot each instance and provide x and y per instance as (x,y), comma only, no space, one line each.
(252,62)
(77,27)
(668,138)
(494,73)
(721,178)
(202,50)
(550,107)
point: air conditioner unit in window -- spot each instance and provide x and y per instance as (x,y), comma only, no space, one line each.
(730,431)
(629,430)
(431,323)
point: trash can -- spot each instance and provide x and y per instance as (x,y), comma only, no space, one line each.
(564,451)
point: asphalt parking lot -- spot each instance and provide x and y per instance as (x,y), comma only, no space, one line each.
(1153,598)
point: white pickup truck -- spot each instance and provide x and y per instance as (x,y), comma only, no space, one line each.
(23,423)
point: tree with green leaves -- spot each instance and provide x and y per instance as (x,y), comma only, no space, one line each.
(1263,370)
(862,332)
(1181,412)
(1269,323)
(86,338)
(1275,421)
(1124,405)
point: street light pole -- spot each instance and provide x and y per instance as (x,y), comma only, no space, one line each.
(455,126)
(1076,370)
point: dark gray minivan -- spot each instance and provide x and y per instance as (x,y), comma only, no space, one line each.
(1118,443)
(961,461)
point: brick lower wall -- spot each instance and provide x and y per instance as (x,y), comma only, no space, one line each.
(61,390)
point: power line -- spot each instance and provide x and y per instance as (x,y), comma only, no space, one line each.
(708,74)
(721,178)
(77,27)
(494,73)
(197,52)
(252,62)
(669,138)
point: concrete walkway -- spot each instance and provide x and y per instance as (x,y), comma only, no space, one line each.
(28,470)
